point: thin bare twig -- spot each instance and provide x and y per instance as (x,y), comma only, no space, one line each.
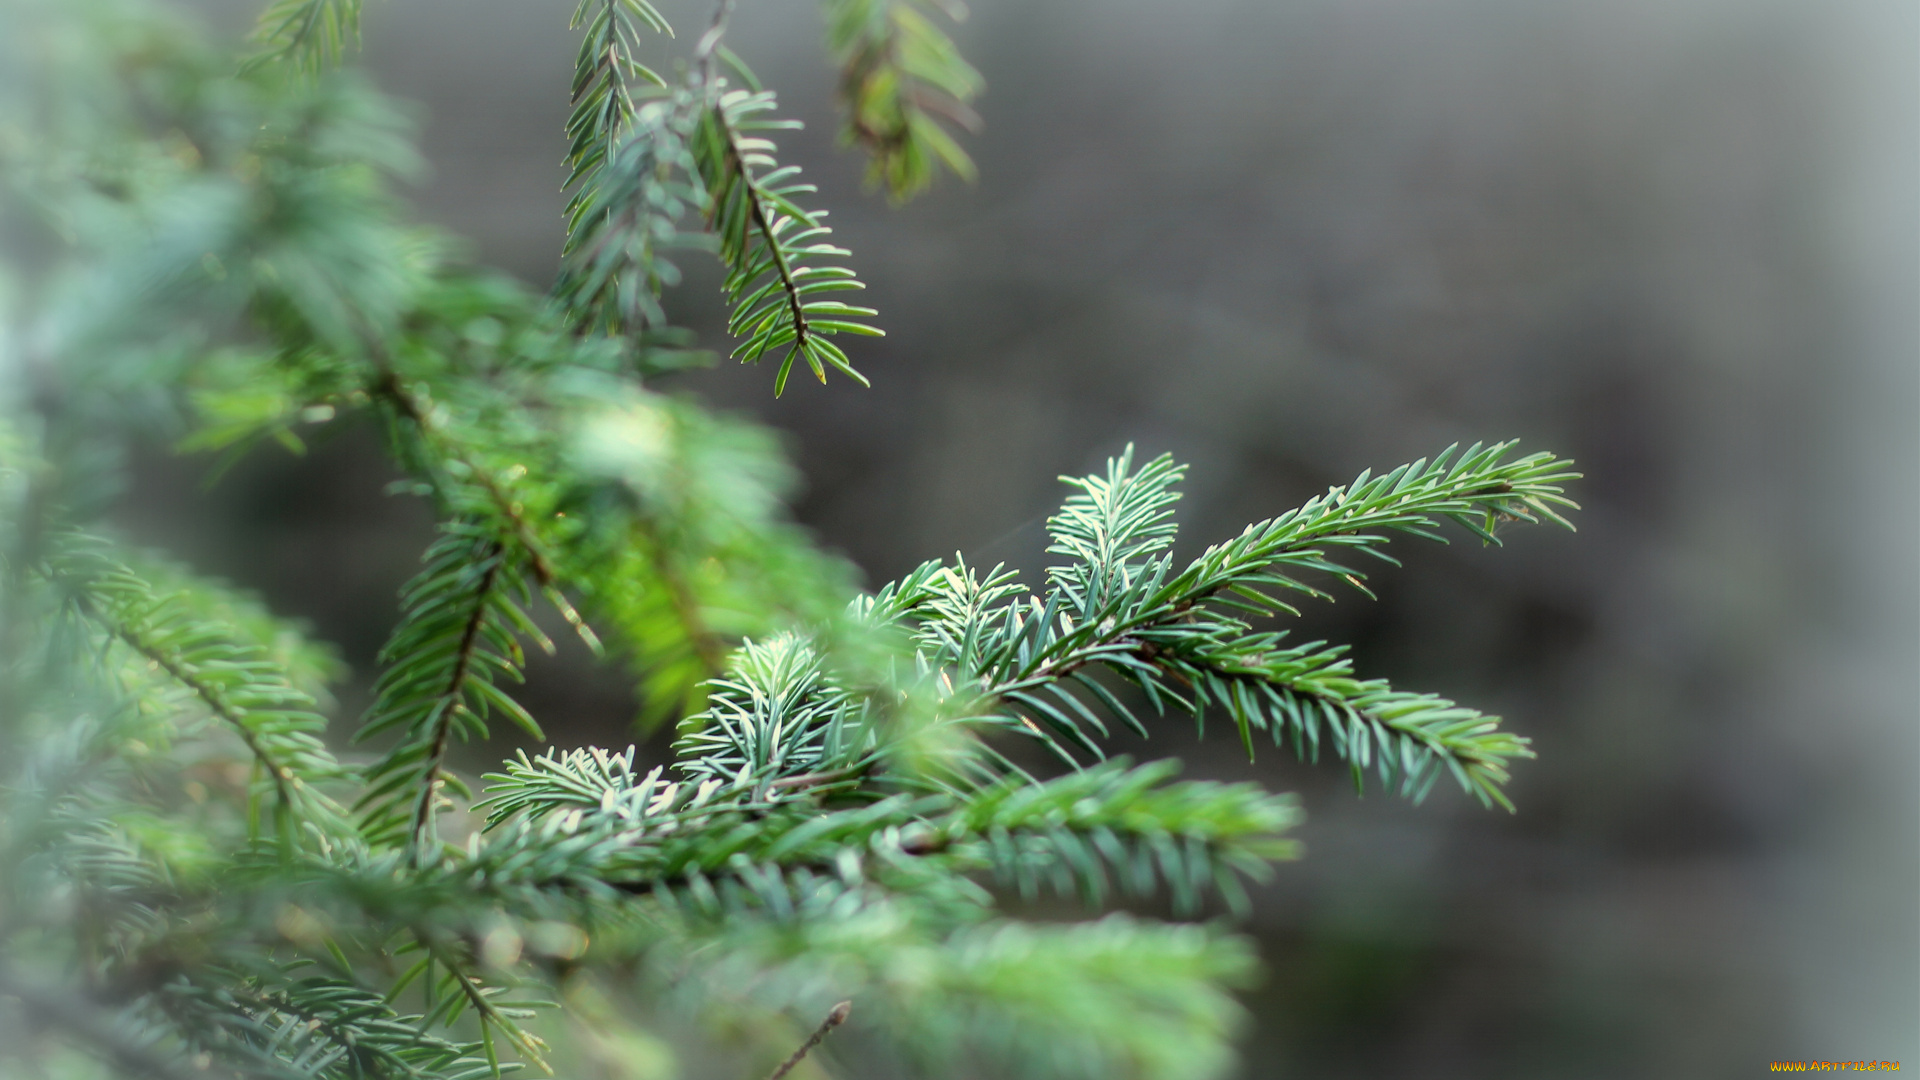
(834,1019)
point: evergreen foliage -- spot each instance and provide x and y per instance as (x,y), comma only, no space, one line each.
(195,884)
(900,77)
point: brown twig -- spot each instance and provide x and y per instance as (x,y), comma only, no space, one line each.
(834,1019)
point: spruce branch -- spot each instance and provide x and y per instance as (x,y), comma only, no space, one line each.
(623,202)
(838,805)
(604,79)
(632,179)
(445,447)
(1119,604)
(1082,831)
(900,78)
(663,614)
(697,145)
(281,776)
(621,224)
(188,633)
(453,465)
(585,819)
(277,1020)
(1477,491)
(1301,693)
(492,1016)
(769,243)
(309,35)
(441,723)
(776,715)
(458,636)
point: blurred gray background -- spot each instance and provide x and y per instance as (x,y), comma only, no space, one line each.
(1290,239)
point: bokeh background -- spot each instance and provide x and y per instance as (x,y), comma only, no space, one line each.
(1290,239)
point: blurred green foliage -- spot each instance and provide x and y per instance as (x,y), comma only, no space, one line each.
(197,882)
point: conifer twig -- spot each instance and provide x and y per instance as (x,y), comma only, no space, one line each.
(835,1017)
(763,234)
(216,702)
(390,386)
(450,701)
(531,1047)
